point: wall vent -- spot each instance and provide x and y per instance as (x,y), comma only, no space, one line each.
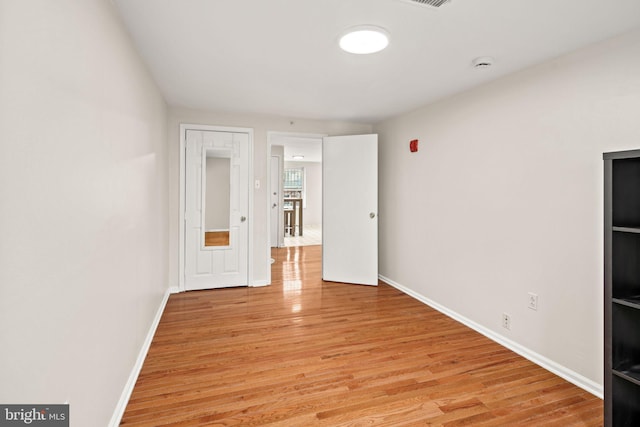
(432,3)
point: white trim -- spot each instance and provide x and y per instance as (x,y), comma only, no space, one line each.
(183,167)
(182,218)
(250,262)
(260,283)
(133,376)
(548,364)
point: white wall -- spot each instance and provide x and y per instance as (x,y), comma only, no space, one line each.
(261,125)
(313,173)
(83,205)
(505,197)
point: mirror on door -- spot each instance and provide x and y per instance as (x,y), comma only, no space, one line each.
(216,183)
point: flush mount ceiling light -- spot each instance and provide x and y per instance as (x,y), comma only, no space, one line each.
(297,157)
(364,39)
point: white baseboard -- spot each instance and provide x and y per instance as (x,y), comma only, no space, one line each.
(259,283)
(133,376)
(548,364)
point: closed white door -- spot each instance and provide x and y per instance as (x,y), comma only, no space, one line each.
(216,209)
(275,217)
(350,209)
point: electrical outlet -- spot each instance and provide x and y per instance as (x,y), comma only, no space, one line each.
(506,321)
(533,301)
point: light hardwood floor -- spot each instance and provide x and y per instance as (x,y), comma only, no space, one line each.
(303,352)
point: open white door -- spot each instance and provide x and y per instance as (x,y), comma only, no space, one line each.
(350,209)
(216,209)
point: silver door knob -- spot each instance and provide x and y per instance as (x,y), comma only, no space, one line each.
(372,215)
(243,218)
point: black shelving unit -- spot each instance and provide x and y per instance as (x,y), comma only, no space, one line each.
(622,288)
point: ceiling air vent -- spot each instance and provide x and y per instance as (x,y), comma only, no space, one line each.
(432,3)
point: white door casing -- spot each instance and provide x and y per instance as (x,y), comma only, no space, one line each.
(215,267)
(350,209)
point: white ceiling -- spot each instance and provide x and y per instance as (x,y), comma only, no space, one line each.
(299,145)
(281,56)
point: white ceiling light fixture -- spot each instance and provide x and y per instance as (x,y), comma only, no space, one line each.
(297,157)
(364,39)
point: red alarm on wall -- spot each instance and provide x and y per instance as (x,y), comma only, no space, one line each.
(413,145)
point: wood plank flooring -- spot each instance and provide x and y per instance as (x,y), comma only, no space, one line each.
(303,352)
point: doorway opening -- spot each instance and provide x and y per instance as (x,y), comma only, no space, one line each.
(295,189)
(349,205)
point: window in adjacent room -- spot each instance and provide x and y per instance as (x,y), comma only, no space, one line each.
(294,186)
